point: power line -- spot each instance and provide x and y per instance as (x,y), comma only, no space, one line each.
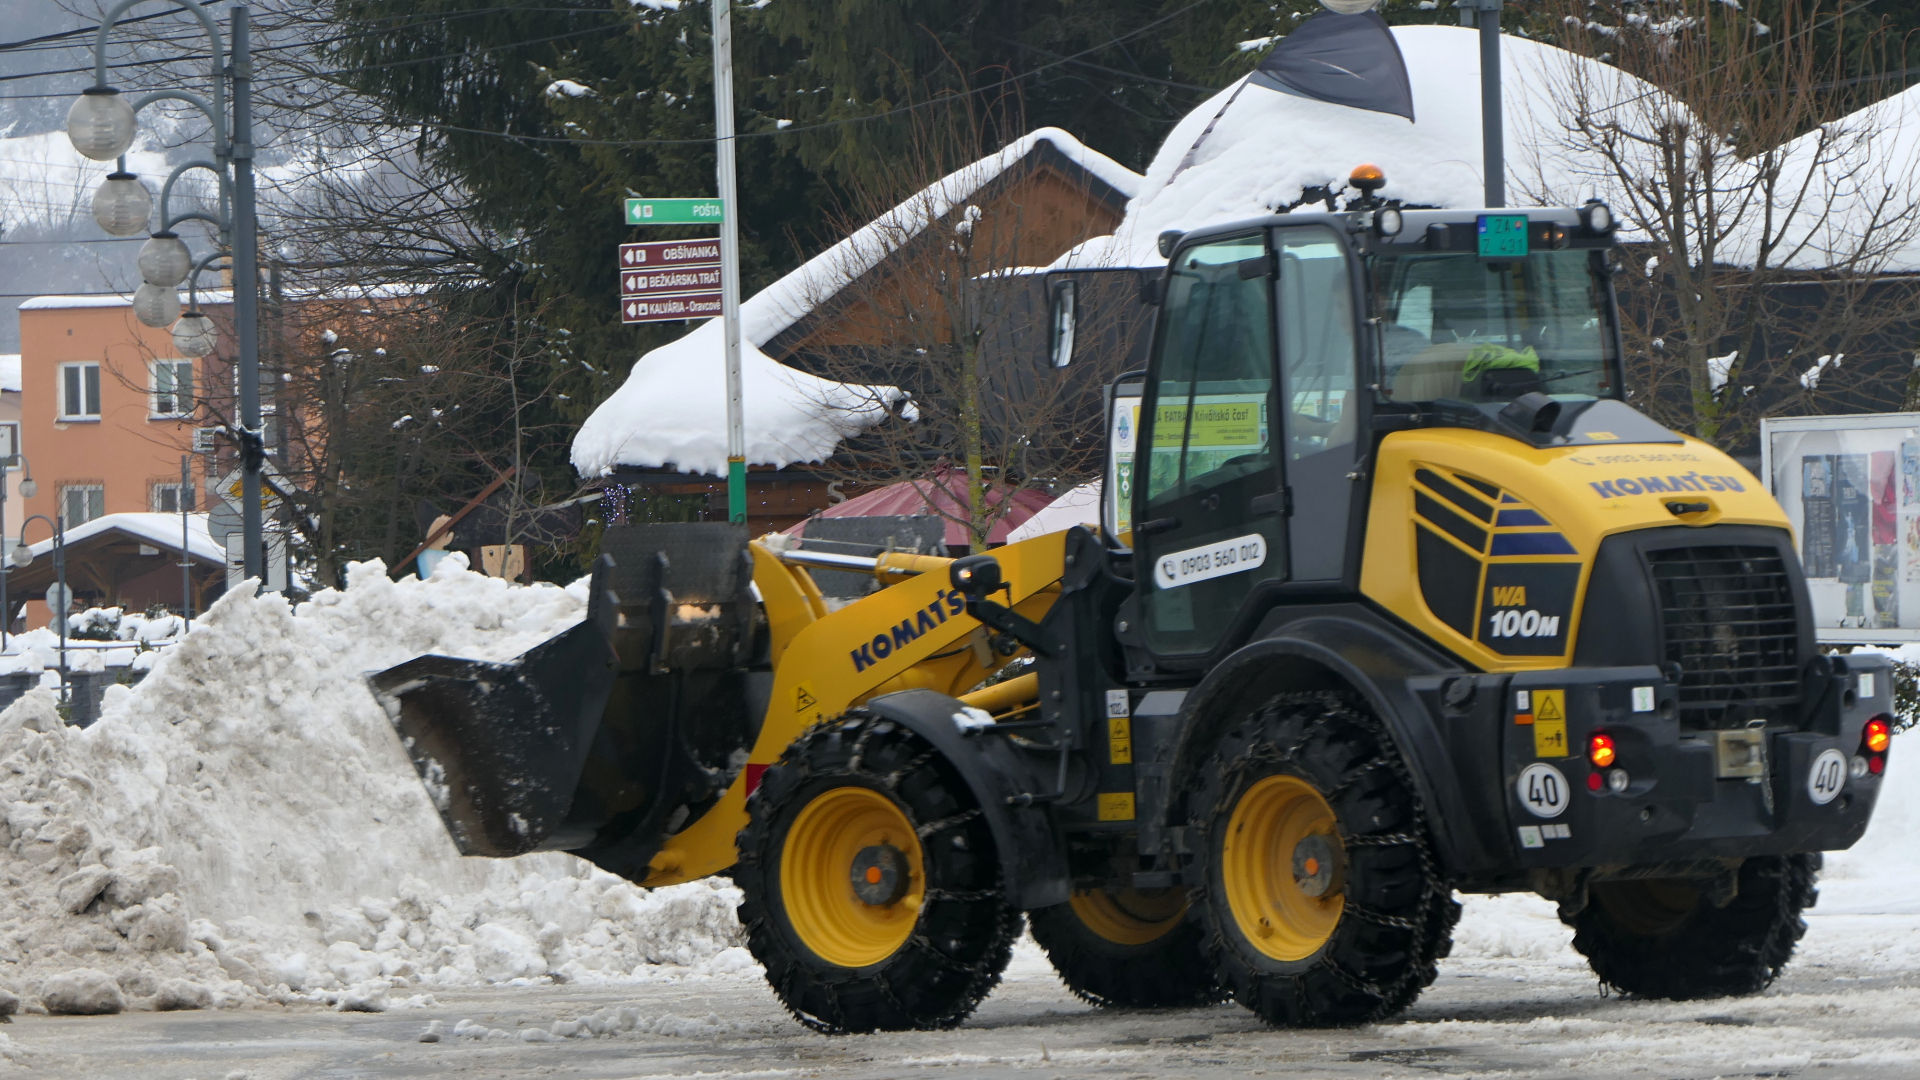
(81,31)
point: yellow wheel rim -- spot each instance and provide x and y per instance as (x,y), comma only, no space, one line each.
(1130,916)
(816,877)
(1257,871)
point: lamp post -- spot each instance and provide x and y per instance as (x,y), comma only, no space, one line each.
(101,126)
(28,489)
(23,557)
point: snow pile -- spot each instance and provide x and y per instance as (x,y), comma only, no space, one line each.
(244,824)
(671,411)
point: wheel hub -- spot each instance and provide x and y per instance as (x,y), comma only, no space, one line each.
(1314,866)
(1281,867)
(879,874)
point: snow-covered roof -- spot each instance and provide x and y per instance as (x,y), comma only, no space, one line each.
(1268,146)
(103,300)
(10,372)
(671,411)
(1078,506)
(160,530)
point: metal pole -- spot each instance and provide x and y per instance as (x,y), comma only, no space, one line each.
(246,299)
(6,613)
(729,256)
(1492,145)
(186,552)
(60,575)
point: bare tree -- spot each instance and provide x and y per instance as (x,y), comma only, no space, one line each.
(937,291)
(1764,217)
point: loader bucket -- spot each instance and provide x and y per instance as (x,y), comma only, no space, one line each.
(606,738)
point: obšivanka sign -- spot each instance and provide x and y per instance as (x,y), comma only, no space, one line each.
(1177,568)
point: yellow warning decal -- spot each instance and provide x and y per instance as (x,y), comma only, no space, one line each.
(804,698)
(1116,806)
(1550,723)
(1120,743)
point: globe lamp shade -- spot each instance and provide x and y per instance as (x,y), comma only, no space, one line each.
(194,335)
(100,124)
(122,205)
(1347,7)
(165,260)
(156,305)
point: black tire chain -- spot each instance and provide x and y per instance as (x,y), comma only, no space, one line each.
(1441,911)
(982,975)
(1793,888)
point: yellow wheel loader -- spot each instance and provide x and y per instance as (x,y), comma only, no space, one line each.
(1394,596)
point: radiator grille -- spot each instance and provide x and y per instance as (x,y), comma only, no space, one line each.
(1727,617)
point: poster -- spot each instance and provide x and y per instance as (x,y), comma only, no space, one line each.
(1850,487)
(1816,530)
(1853,520)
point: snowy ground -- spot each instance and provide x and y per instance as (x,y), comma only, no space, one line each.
(241,837)
(1841,1012)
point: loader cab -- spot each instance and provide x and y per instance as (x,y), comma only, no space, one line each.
(1284,349)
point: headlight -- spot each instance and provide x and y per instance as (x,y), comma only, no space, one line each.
(1387,222)
(1596,217)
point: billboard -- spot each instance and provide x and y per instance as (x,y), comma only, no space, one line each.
(1851,487)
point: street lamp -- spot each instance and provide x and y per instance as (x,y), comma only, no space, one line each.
(22,557)
(101,125)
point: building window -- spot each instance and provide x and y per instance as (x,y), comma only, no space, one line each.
(166,498)
(82,503)
(9,445)
(173,388)
(80,391)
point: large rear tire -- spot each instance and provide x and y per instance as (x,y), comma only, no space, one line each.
(1315,881)
(1666,939)
(1127,948)
(873,892)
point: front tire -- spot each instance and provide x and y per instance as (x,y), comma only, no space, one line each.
(1315,885)
(1127,948)
(872,885)
(1666,939)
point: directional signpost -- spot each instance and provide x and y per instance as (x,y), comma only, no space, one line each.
(669,280)
(698,279)
(675,211)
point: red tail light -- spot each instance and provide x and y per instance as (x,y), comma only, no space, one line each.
(1600,749)
(1877,736)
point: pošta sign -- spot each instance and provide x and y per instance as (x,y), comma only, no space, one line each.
(675,212)
(669,281)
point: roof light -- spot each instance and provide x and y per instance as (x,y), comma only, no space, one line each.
(1368,178)
(1878,735)
(1388,222)
(1600,750)
(1596,217)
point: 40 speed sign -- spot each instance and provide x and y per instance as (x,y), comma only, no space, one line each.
(1543,790)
